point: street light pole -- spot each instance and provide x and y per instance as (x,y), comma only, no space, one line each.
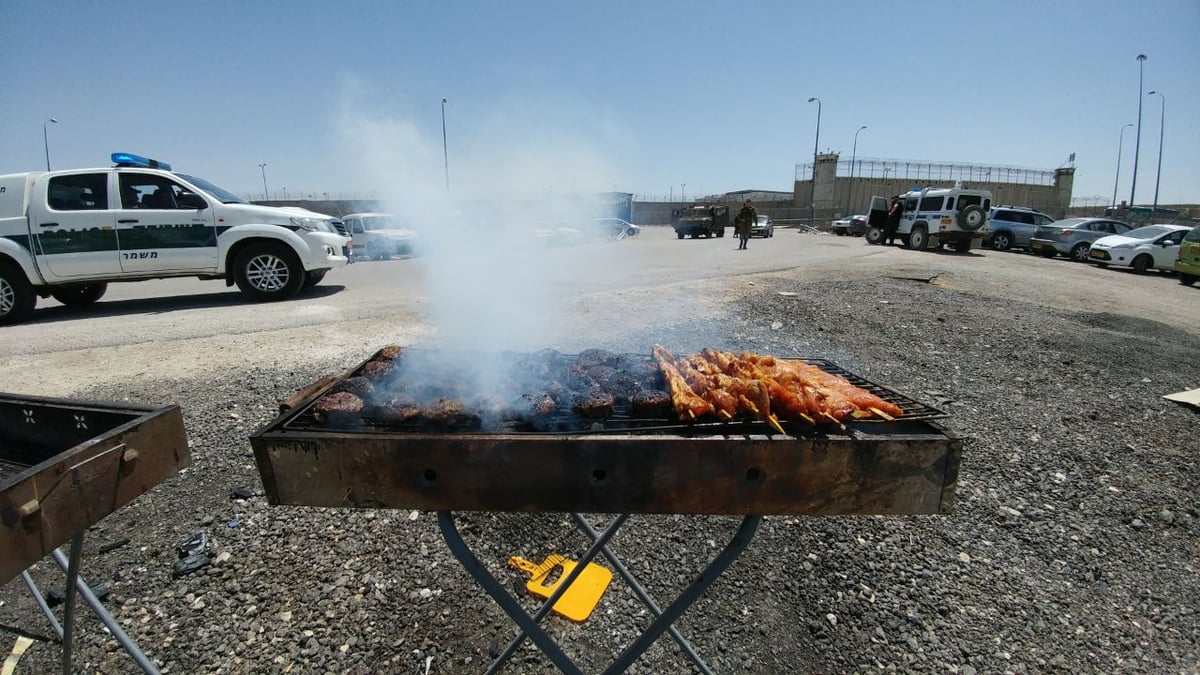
(853,156)
(1161,119)
(266,195)
(812,202)
(682,193)
(445,154)
(1138,144)
(46,140)
(1120,142)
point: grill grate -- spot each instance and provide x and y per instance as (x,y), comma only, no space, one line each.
(565,422)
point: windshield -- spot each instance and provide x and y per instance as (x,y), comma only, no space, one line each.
(221,194)
(1147,232)
(372,223)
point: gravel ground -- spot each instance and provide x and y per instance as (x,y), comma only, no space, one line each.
(1072,548)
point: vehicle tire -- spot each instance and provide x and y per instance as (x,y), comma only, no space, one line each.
(721,233)
(840,233)
(17,299)
(679,235)
(81,295)
(1002,241)
(972,218)
(267,271)
(962,246)
(1187,279)
(1101,265)
(874,235)
(1080,252)
(1142,263)
(313,278)
(917,238)
(1047,252)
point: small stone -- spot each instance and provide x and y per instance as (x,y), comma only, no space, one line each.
(831,618)
(285,616)
(964,557)
(1137,524)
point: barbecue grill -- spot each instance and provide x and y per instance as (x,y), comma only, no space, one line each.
(64,466)
(620,465)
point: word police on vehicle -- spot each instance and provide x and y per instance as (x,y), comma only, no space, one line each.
(68,234)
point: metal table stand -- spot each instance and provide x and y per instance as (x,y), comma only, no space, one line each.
(664,619)
(66,629)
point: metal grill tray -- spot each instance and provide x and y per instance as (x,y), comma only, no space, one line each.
(906,466)
(622,421)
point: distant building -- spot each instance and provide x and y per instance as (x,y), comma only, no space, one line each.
(752,195)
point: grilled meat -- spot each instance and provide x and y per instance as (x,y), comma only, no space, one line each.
(357,385)
(650,404)
(397,409)
(377,370)
(338,408)
(390,353)
(449,412)
(594,404)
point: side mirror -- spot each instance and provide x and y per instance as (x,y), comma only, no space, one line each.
(190,200)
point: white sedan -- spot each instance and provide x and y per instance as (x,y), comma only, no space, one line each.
(1149,247)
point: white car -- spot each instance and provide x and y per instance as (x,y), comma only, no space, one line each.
(1149,247)
(617,228)
(379,236)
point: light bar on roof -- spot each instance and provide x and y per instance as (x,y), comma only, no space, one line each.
(130,159)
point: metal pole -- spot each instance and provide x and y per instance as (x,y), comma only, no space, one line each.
(1161,120)
(266,195)
(682,193)
(445,154)
(812,203)
(1137,147)
(853,156)
(1120,142)
(46,140)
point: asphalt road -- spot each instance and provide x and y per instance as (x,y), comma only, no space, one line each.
(513,293)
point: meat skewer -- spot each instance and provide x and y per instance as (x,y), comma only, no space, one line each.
(688,405)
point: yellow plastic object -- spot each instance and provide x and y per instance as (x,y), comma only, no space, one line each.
(584,593)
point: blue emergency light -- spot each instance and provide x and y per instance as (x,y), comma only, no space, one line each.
(130,159)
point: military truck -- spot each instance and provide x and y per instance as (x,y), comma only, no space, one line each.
(700,220)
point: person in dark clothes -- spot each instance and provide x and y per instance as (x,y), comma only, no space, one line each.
(745,220)
(893,220)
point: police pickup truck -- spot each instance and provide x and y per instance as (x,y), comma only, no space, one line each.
(67,234)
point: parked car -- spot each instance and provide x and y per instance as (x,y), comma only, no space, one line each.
(850,225)
(1149,247)
(1072,237)
(616,228)
(1187,260)
(1013,226)
(763,227)
(379,236)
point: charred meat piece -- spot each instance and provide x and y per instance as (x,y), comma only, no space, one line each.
(389,353)
(531,405)
(377,370)
(650,404)
(338,409)
(490,409)
(357,385)
(594,404)
(449,412)
(646,373)
(590,358)
(397,409)
(540,365)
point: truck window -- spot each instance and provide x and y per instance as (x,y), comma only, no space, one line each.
(78,192)
(969,200)
(932,203)
(147,191)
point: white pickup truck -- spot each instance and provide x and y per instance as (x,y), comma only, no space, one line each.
(67,234)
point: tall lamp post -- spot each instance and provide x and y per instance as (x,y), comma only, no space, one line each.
(266,195)
(1161,119)
(1116,180)
(682,194)
(46,140)
(445,154)
(853,156)
(1137,146)
(812,202)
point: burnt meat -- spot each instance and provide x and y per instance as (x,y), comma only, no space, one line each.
(397,409)
(594,404)
(377,370)
(650,404)
(449,412)
(589,358)
(530,405)
(389,353)
(338,408)
(357,385)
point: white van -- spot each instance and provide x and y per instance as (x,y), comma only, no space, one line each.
(935,216)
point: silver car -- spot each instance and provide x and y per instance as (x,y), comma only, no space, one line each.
(1012,226)
(1072,237)
(763,227)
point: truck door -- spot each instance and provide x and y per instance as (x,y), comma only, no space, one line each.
(159,227)
(72,226)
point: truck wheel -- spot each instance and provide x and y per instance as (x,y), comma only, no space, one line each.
(917,239)
(267,271)
(874,235)
(16,295)
(962,246)
(1187,279)
(972,218)
(679,235)
(79,296)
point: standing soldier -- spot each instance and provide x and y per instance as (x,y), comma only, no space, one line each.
(745,220)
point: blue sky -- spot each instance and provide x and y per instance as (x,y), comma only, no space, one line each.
(555,97)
